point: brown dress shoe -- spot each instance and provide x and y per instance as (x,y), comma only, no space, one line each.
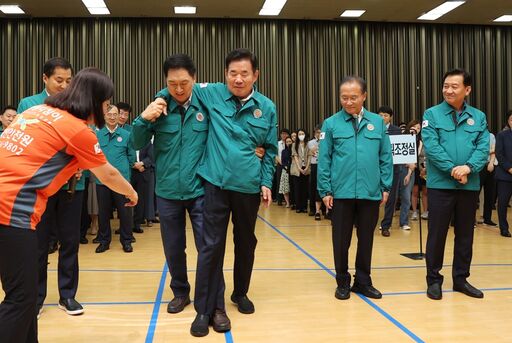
(385,232)
(178,304)
(220,321)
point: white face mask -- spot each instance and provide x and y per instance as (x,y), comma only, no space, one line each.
(301,137)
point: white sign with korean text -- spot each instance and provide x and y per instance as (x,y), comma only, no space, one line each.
(403,148)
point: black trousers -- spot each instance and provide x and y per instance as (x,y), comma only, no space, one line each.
(63,215)
(442,204)
(106,198)
(18,274)
(276,183)
(313,191)
(389,207)
(301,191)
(488,183)
(345,214)
(504,194)
(85,221)
(218,205)
(172,227)
(140,184)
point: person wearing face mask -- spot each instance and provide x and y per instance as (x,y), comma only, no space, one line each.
(456,144)
(286,159)
(293,137)
(300,170)
(116,145)
(284,134)
(315,202)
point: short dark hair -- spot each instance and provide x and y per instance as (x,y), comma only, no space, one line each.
(180,61)
(356,79)
(509,113)
(459,71)
(124,106)
(285,131)
(242,54)
(56,62)
(385,109)
(85,95)
(8,107)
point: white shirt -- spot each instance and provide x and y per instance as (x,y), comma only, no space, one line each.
(280,147)
(311,145)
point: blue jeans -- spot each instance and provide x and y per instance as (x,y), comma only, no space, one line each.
(405,195)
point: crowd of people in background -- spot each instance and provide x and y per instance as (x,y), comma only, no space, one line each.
(307,179)
(295,180)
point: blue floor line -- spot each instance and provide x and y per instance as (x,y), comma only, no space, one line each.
(156,308)
(228,337)
(368,301)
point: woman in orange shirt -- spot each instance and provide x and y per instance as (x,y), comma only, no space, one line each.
(40,151)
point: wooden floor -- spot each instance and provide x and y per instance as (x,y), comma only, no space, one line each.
(125,295)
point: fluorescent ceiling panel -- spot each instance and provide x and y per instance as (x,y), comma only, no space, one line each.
(352,13)
(184,10)
(441,10)
(272,7)
(503,19)
(11,9)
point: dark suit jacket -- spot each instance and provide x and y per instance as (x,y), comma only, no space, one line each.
(146,157)
(504,155)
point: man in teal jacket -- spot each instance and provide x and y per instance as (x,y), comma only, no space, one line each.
(355,173)
(61,219)
(241,119)
(456,144)
(179,141)
(118,149)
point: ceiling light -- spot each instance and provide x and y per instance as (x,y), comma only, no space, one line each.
(11,9)
(98,10)
(272,7)
(352,13)
(504,19)
(184,10)
(94,3)
(441,10)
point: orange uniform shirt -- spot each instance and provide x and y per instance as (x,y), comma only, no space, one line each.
(39,152)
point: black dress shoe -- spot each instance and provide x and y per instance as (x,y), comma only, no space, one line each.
(244,304)
(199,327)
(490,223)
(177,304)
(102,248)
(127,247)
(133,240)
(220,321)
(505,233)
(71,306)
(138,230)
(96,240)
(367,290)
(469,290)
(434,291)
(385,232)
(343,292)
(83,240)
(318,216)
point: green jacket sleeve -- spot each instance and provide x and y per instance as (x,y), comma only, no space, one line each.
(479,156)
(324,161)
(130,152)
(142,131)
(22,106)
(270,145)
(385,163)
(433,149)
